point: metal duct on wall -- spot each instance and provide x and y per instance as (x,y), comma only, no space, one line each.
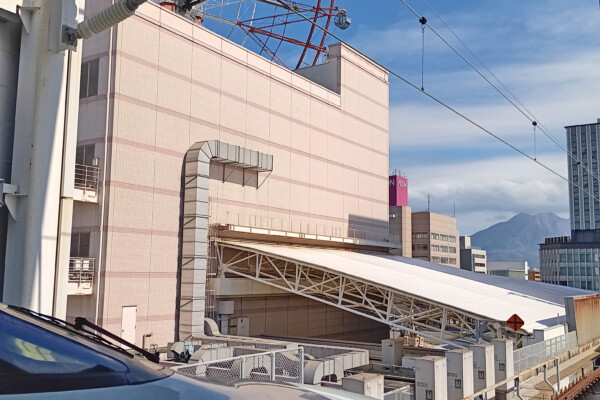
(194,253)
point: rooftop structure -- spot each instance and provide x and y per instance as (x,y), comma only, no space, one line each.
(392,283)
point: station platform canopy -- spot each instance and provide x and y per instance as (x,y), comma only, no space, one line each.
(418,296)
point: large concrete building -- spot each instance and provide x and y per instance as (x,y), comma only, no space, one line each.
(575,261)
(306,154)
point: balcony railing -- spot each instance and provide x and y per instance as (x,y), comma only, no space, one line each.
(86,177)
(81,275)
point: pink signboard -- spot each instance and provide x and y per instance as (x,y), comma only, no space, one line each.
(398,191)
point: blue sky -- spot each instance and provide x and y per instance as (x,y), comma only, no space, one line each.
(548,55)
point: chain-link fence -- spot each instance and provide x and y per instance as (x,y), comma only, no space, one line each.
(285,365)
(534,354)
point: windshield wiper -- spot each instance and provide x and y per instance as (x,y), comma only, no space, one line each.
(79,328)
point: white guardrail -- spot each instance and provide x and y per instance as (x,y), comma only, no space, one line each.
(537,353)
(284,365)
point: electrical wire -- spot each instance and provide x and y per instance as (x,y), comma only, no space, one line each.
(440,102)
(527,113)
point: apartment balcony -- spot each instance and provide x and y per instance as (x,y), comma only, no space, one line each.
(86,183)
(81,276)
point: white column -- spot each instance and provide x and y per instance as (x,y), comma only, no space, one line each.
(431,378)
(504,367)
(483,368)
(40,145)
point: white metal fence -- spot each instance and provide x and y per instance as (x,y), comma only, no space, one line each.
(81,270)
(86,177)
(399,394)
(537,353)
(285,365)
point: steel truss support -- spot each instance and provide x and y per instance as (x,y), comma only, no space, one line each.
(400,310)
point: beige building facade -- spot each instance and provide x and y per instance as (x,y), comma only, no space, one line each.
(158,84)
(401,229)
(435,238)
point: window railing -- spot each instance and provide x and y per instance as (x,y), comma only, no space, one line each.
(81,270)
(86,177)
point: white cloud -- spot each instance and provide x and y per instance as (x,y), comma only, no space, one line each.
(546,52)
(489,191)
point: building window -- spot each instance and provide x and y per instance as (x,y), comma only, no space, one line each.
(420,235)
(435,236)
(84,155)
(80,245)
(89,78)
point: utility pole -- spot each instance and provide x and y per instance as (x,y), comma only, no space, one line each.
(45,135)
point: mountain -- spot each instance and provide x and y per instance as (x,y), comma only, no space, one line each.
(518,238)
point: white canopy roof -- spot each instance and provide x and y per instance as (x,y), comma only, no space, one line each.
(540,305)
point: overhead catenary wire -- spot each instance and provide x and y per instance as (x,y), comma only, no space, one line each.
(524,111)
(440,102)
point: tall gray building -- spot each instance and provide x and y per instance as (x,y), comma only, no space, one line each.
(574,261)
(582,143)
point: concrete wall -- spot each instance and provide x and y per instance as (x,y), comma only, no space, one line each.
(401,226)
(288,315)
(166,84)
(10,43)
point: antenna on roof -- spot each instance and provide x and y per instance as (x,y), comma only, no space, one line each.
(454,209)
(428,203)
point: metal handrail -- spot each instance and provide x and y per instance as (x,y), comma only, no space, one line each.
(86,177)
(81,270)
(255,221)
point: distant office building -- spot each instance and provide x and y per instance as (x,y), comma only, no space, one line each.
(509,269)
(435,238)
(472,259)
(533,275)
(571,261)
(423,235)
(582,144)
(574,261)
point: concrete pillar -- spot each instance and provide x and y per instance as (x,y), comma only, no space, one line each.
(460,373)
(392,351)
(431,378)
(366,384)
(504,367)
(483,368)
